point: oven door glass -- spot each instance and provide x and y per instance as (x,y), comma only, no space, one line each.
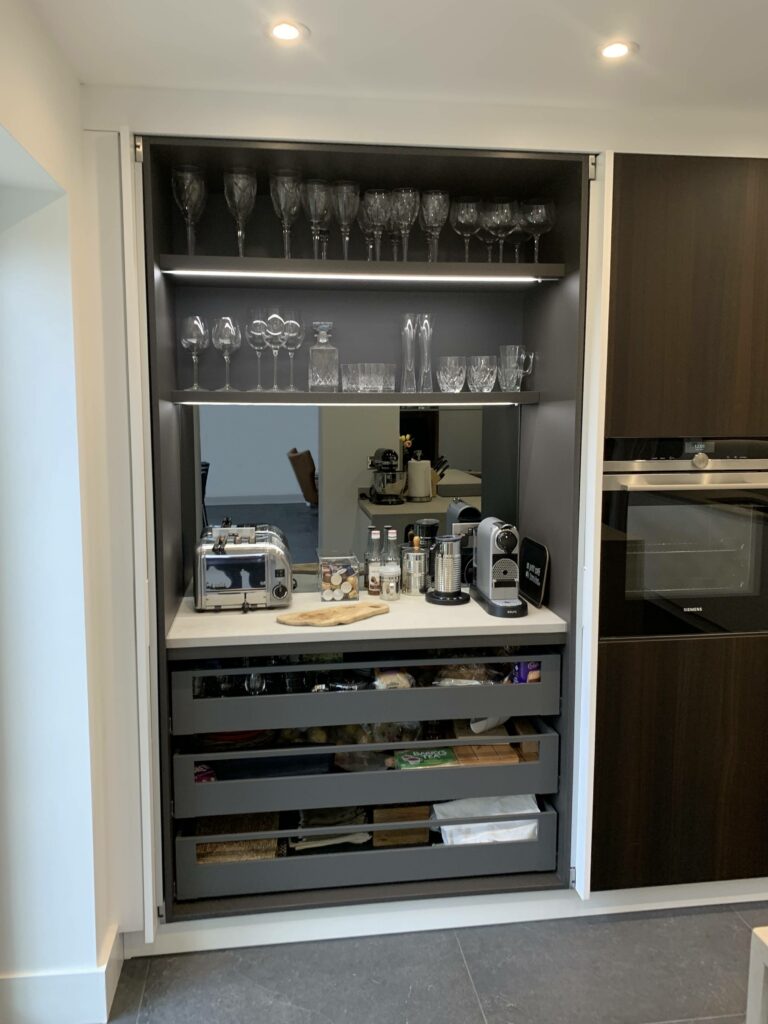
(685,561)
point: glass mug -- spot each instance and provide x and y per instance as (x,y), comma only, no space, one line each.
(515,363)
(481,373)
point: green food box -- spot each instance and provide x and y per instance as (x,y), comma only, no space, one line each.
(443,757)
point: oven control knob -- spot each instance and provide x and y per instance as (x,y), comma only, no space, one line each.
(279,591)
(700,460)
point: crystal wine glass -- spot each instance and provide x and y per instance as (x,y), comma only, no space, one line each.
(194,338)
(189,192)
(485,235)
(240,194)
(465,220)
(226,339)
(434,214)
(405,210)
(367,231)
(539,217)
(377,203)
(346,201)
(285,189)
(393,234)
(275,324)
(256,335)
(520,232)
(316,199)
(500,219)
(293,336)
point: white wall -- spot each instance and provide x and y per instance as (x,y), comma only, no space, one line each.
(255,469)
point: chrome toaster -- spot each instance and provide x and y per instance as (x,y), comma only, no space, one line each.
(242,567)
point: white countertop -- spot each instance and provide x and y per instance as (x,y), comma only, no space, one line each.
(408,617)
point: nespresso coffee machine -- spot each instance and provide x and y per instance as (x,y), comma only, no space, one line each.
(388,481)
(497,574)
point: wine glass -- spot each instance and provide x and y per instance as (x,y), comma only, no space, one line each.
(377,203)
(539,217)
(346,202)
(285,190)
(275,333)
(194,338)
(189,192)
(485,236)
(393,233)
(465,220)
(293,336)
(434,213)
(316,199)
(365,227)
(226,339)
(501,218)
(520,233)
(240,194)
(405,210)
(256,335)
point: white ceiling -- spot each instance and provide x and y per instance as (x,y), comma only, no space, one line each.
(697,53)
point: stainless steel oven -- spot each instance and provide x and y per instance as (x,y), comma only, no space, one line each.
(684,544)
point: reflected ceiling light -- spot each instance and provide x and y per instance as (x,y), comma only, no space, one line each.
(618,49)
(288,31)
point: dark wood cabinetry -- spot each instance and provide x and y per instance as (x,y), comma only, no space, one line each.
(681,771)
(688,326)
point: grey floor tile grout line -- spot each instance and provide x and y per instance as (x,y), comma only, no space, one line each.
(696,1020)
(143,989)
(469,973)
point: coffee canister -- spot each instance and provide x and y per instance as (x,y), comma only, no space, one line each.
(414,563)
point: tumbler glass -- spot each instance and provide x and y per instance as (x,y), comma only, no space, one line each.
(481,373)
(350,377)
(388,377)
(451,373)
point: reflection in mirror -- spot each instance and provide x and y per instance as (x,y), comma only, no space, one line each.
(306,470)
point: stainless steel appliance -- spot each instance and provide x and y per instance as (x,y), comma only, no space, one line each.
(388,481)
(242,567)
(414,563)
(445,571)
(497,573)
(461,519)
(684,547)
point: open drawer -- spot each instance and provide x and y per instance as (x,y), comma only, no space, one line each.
(216,700)
(201,875)
(280,780)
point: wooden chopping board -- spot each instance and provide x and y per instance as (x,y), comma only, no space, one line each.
(337,615)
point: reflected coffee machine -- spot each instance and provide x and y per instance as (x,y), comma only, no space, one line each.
(388,481)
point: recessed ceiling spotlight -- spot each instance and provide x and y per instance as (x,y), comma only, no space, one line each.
(288,31)
(618,49)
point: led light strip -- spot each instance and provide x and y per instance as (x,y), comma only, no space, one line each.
(287,275)
(347,405)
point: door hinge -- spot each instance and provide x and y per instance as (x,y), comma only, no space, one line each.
(592,167)
(138,149)
(161,910)
(572,877)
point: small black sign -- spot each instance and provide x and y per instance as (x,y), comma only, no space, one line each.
(534,570)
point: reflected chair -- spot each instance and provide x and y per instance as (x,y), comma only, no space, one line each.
(304,467)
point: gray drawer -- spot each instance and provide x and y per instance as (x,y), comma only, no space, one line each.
(192,714)
(293,792)
(361,867)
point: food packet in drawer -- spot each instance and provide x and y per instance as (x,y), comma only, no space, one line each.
(467,675)
(525,672)
(392,679)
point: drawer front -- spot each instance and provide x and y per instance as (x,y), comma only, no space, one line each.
(202,714)
(294,792)
(363,867)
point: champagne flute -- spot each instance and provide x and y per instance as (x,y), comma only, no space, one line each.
(189,192)
(293,336)
(226,339)
(465,220)
(377,203)
(194,338)
(433,215)
(316,199)
(405,210)
(285,190)
(240,194)
(256,335)
(346,202)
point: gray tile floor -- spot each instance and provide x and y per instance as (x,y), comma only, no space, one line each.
(651,968)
